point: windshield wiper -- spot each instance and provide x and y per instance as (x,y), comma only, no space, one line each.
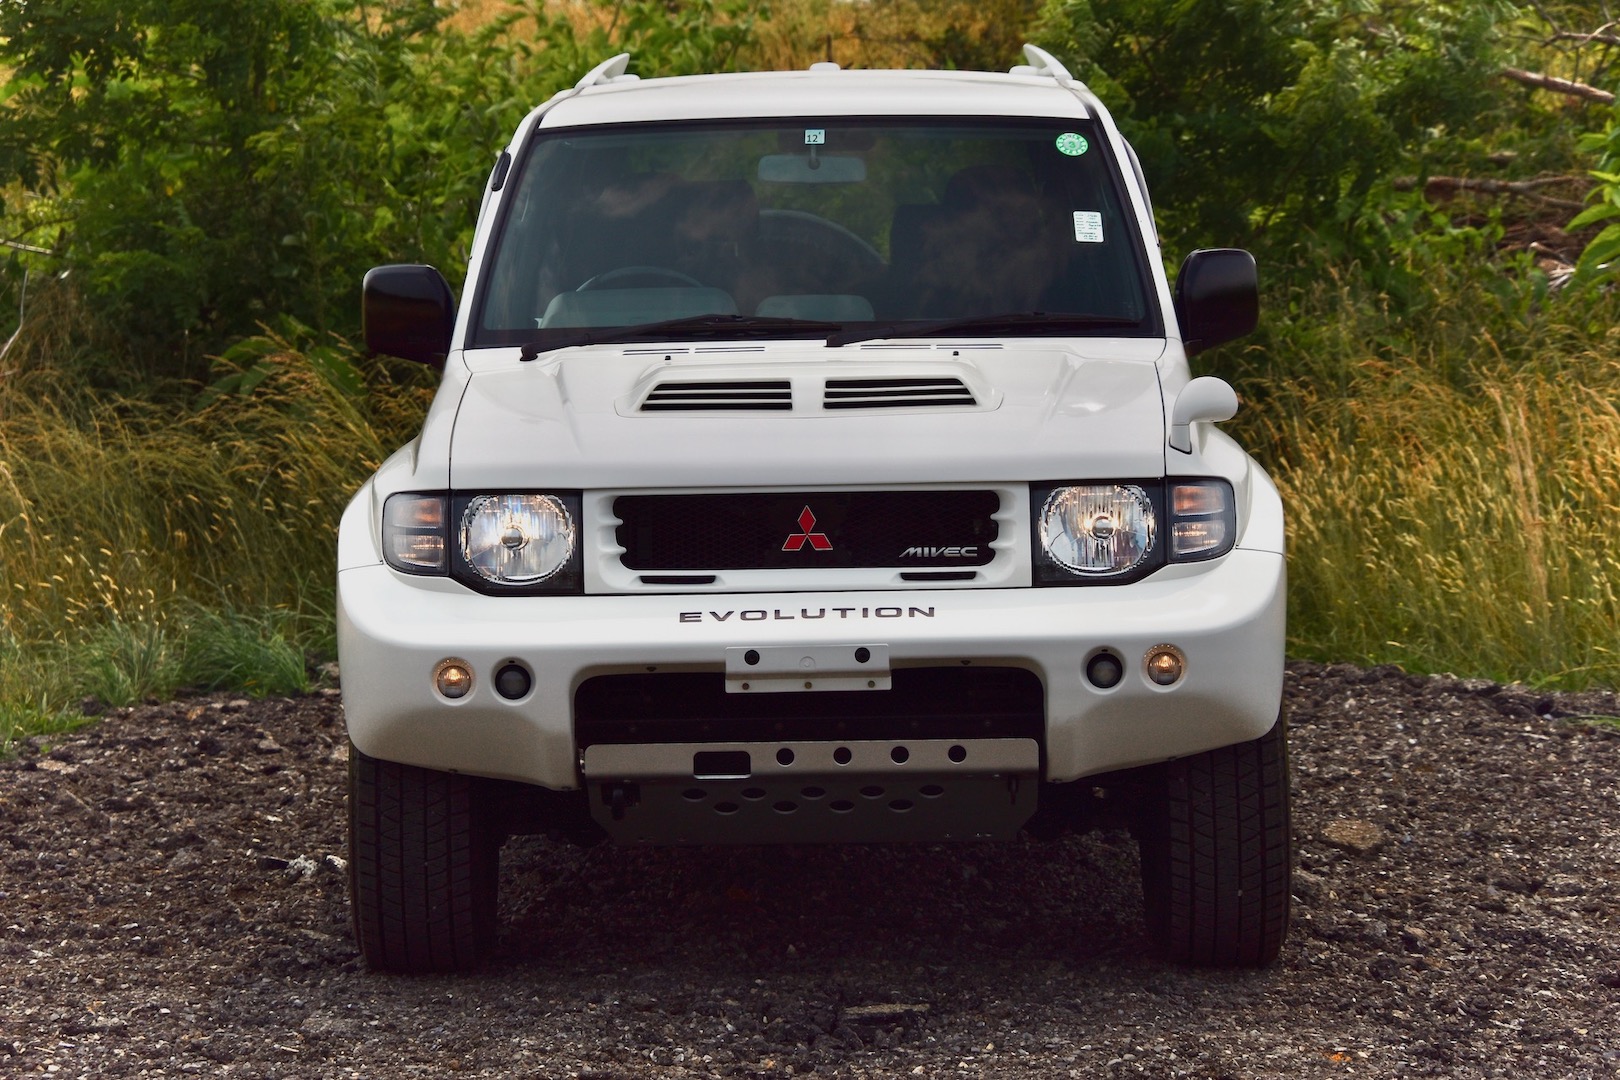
(1009,320)
(742,326)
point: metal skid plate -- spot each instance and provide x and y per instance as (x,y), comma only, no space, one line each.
(856,792)
(792,668)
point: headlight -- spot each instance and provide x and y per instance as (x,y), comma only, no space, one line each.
(1097,530)
(413,533)
(1108,534)
(517,539)
(1203,520)
(517,544)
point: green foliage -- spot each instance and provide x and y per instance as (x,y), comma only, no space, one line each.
(121,663)
(1263,121)
(20,719)
(1610,723)
(988,36)
(12,297)
(978,35)
(216,179)
(220,166)
(137,118)
(124,662)
(256,652)
(1600,259)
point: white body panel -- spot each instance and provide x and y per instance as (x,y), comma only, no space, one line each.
(1044,410)
(1228,621)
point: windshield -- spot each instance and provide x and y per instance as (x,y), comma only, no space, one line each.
(844,225)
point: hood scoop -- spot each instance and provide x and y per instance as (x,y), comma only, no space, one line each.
(892,393)
(771,395)
(803,389)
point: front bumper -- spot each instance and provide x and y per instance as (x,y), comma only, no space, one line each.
(1227,618)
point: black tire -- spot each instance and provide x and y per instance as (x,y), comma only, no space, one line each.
(1217,858)
(423,866)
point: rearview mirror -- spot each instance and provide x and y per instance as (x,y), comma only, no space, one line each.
(811,168)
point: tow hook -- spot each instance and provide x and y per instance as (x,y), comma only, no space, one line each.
(619,797)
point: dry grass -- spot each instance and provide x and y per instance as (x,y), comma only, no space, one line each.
(136,537)
(1451,504)
(1456,514)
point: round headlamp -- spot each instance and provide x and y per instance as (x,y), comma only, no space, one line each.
(517,539)
(1097,529)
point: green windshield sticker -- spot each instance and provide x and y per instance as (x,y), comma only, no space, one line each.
(1072,144)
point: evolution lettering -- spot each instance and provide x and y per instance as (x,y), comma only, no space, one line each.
(762,615)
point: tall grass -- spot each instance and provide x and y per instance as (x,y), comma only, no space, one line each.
(1452,480)
(1450,463)
(147,547)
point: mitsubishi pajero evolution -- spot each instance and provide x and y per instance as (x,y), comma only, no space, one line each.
(816,459)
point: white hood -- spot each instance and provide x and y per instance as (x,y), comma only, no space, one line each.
(698,417)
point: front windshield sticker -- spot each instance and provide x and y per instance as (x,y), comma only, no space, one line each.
(1072,143)
(815,136)
(1088,227)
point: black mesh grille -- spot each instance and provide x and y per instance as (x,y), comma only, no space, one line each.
(794,531)
(895,393)
(776,395)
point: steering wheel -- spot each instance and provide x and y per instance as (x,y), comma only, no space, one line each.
(605,278)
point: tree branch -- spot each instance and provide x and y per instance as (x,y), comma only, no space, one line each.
(30,248)
(1445,187)
(1558,86)
(22,300)
(1600,36)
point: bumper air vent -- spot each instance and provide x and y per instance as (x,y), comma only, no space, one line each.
(771,395)
(896,393)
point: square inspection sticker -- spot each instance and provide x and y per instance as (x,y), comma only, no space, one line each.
(1088,227)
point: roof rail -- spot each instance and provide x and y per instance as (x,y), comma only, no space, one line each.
(1040,63)
(605,72)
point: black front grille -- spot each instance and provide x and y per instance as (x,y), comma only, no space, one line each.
(925,703)
(774,531)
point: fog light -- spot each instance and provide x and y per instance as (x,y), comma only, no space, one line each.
(1104,670)
(453,678)
(1165,664)
(513,682)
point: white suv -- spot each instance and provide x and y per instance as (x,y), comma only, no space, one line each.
(816,459)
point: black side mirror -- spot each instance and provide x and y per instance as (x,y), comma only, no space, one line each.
(408,312)
(1217,298)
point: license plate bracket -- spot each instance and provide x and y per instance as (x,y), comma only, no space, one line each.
(784,669)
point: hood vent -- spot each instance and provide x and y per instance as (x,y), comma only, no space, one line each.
(773,395)
(896,393)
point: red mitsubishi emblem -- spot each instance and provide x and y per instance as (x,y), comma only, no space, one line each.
(807,522)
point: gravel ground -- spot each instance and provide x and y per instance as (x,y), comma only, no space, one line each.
(171,894)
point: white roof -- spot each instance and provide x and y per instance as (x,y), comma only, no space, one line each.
(821,92)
